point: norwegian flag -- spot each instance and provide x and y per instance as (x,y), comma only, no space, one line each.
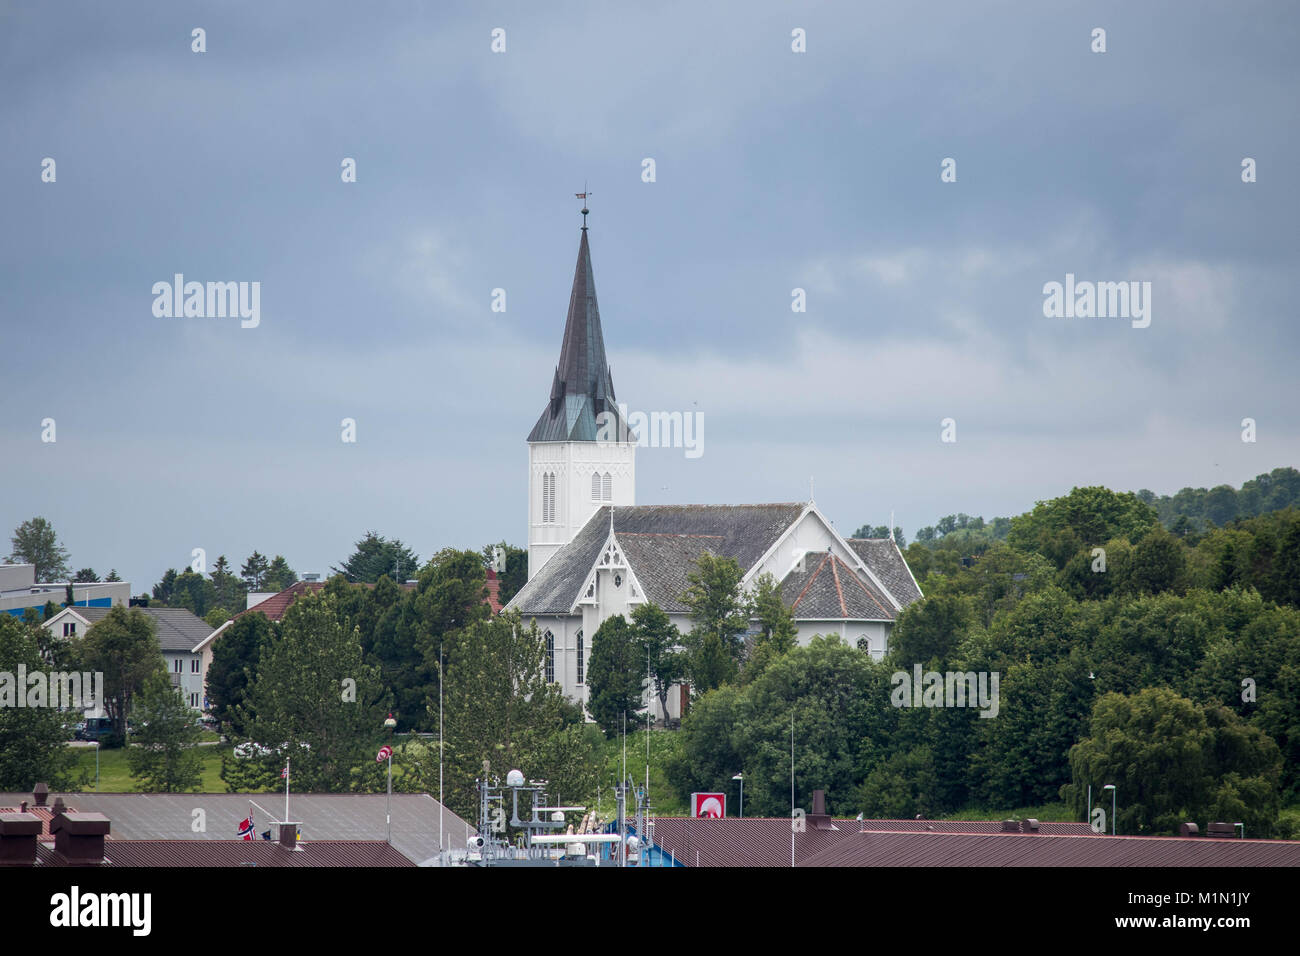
(285,773)
(246,828)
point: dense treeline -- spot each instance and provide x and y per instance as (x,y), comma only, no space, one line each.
(1190,511)
(1167,665)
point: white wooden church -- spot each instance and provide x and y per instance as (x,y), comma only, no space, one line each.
(593,552)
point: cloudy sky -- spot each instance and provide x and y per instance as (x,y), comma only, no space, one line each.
(774,170)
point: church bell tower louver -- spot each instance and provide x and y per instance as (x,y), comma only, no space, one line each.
(573,465)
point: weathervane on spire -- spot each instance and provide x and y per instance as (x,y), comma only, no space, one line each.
(583,196)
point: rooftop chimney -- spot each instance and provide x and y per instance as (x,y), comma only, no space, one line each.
(1188,830)
(289,836)
(59,805)
(819,819)
(18,833)
(39,794)
(80,838)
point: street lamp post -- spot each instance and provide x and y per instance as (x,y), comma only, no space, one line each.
(390,724)
(1113,791)
(97,766)
(741,778)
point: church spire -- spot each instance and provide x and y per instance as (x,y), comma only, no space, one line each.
(582,387)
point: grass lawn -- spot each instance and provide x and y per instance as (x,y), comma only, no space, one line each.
(114,776)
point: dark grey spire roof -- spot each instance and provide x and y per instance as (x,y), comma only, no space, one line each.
(583,387)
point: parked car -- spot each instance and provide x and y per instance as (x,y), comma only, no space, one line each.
(94,728)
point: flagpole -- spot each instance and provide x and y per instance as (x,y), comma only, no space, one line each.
(286,789)
(440,739)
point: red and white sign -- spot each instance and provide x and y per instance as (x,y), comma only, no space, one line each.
(709,805)
(384,753)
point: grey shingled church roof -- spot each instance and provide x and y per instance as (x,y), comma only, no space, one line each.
(660,542)
(884,559)
(177,628)
(827,589)
(583,387)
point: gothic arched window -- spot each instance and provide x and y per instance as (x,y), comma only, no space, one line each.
(581,668)
(607,487)
(550,658)
(595,486)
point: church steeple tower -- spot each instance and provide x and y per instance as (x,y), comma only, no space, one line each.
(581,455)
(582,388)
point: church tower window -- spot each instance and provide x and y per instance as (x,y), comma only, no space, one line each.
(607,487)
(595,486)
(548,498)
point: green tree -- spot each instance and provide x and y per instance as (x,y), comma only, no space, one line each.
(775,620)
(112,575)
(228,589)
(315,699)
(34,542)
(709,756)
(500,708)
(33,740)
(279,575)
(164,756)
(124,647)
(930,629)
(1174,761)
(375,556)
(1060,528)
(1086,575)
(254,570)
(162,591)
(192,591)
(777,632)
(720,612)
(832,692)
(616,673)
(1159,562)
(84,576)
(901,786)
(657,642)
(235,657)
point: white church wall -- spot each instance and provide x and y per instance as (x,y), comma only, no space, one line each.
(573,464)
(875,633)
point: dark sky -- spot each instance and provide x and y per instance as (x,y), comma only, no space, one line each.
(775,170)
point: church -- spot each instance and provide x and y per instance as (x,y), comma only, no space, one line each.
(593,552)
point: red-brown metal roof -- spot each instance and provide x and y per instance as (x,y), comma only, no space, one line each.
(1017,849)
(766,842)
